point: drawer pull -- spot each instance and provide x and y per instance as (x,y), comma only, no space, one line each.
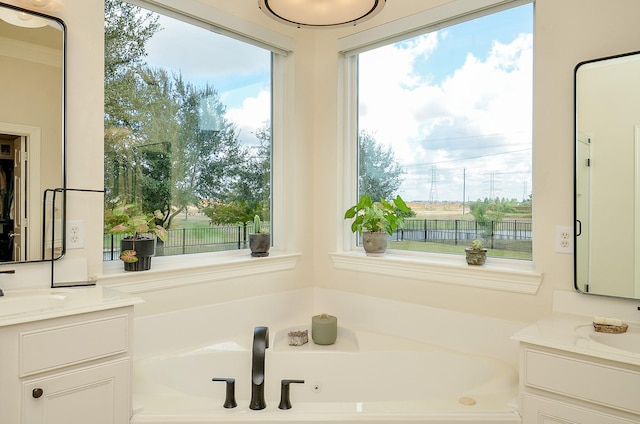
(37,392)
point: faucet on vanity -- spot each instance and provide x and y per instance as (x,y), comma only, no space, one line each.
(260,345)
(7,271)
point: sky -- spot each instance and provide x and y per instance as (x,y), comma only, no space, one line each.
(240,72)
(455,106)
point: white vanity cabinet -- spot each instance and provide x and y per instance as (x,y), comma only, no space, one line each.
(565,378)
(72,369)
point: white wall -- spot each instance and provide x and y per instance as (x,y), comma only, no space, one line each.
(566,32)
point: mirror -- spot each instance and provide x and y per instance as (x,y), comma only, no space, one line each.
(32,134)
(607,176)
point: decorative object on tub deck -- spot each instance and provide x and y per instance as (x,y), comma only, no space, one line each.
(298,338)
(376,221)
(259,240)
(609,325)
(285,399)
(324,329)
(476,253)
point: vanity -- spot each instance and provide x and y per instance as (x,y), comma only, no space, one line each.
(66,356)
(571,374)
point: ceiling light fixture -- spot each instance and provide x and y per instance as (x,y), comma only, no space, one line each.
(321,13)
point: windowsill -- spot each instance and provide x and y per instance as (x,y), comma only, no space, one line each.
(510,275)
(182,270)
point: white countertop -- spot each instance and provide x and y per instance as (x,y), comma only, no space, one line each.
(19,306)
(572,333)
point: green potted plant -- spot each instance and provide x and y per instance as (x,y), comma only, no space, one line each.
(476,253)
(259,240)
(376,221)
(138,245)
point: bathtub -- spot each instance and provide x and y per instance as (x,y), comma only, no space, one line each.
(365,377)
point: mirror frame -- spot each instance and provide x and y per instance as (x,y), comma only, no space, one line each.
(63,113)
(578,226)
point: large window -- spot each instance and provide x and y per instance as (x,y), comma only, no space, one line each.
(187,129)
(445,121)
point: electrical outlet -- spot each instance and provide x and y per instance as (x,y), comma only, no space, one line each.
(75,234)
(564,239)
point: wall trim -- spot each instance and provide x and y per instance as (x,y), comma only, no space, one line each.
(184,270)
(496,274)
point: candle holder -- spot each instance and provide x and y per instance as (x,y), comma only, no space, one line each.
(324,329)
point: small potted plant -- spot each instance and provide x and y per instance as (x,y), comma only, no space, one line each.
(476,253)
(376,221)
(259,240)
(138,245)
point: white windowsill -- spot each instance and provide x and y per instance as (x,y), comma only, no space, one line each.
(182,270)
(510,275)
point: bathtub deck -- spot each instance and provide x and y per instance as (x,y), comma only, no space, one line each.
(177,388)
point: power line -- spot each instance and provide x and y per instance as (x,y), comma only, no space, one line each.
(467,158)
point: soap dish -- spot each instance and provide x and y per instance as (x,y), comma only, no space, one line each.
(603,328)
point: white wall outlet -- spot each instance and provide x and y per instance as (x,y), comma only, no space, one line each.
(564,239)
(75,234)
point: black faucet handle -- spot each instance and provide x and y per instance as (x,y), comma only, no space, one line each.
(230,398)
(285,399)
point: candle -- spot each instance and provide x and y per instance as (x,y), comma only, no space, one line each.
(324,329)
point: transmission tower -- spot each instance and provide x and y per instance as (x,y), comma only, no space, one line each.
(433,194)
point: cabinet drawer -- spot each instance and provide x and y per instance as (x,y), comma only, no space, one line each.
(55,347)
(598,383)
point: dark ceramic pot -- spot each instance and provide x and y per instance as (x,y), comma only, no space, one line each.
(259,243)
(145,248)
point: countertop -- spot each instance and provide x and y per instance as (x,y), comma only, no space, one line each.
(20,306)
(572,333)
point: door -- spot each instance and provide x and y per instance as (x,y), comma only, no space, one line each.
(20,197)
(94,395)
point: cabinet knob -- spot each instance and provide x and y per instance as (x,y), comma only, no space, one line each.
(37,392)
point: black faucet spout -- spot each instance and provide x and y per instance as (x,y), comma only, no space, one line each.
(260,345)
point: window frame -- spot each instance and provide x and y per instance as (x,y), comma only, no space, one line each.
(510,275)
(182,270)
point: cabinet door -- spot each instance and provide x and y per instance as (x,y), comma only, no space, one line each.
(95,395)
(536,410)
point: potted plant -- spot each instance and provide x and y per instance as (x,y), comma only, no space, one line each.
(138,245)
(259,240)
(376,221)
(476,253)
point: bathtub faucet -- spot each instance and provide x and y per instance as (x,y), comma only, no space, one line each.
(260,345)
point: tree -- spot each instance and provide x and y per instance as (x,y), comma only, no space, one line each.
(167,143)
(379,174)
(250,192)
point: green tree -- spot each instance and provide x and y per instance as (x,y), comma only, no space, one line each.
(249,194)
(379,174)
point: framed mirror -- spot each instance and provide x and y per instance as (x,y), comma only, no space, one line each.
(607,176)
(32,134)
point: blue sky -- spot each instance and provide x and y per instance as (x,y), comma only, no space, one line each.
(465,93)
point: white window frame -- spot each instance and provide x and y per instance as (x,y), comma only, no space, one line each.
(183,270)
(510,275)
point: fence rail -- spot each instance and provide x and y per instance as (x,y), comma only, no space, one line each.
(504,235)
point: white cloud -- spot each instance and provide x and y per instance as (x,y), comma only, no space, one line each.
(481,109)
(253,114)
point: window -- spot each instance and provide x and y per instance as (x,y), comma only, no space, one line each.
(187,129)
(445,121)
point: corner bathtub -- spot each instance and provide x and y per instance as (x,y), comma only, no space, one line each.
(364,377)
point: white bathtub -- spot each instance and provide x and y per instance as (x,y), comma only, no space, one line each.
(365,377)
